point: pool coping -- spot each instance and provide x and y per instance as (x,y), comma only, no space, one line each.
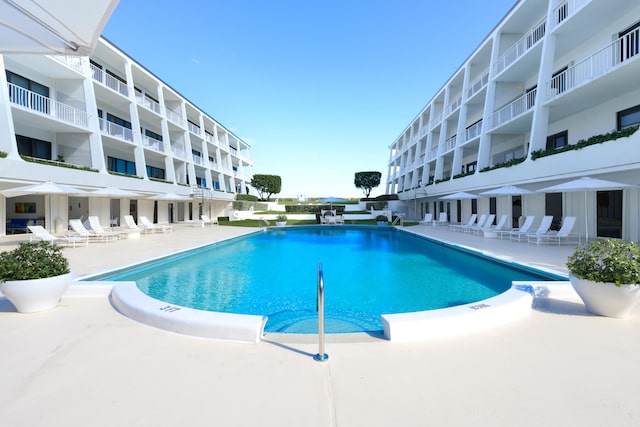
(127,299)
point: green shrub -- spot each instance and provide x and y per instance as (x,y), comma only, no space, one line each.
(32,261)
(3,154)
(608,260)
(247,197)
(596,139)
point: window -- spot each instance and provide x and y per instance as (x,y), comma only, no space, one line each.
(154,172)
(558,140)
(32,147)
(629,117)
(201,182)
(117,120)
(505,156)
(121,166)
(152,134)
(469,167)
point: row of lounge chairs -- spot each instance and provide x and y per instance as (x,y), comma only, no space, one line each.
(80,234)
(443,219)
(541,235)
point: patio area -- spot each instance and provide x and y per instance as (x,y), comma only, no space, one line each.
(85,364)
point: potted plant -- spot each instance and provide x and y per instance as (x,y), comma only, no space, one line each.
(281,220)
(34,276)
(606,276)
(382,219)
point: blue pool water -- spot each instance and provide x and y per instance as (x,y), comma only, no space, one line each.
(368,271)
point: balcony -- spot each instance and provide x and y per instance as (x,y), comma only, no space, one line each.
(473,131)
(178,152)
(520,47)
(175,118)
(435,121)
(210,138)
(565,10)
(432,154)
(41,104)
(613,56)
(148,103)
(75,62)
(514,109)
(195,129)
(109,81)
(478,84)
(197,160)
(454,105)
(450,144)
(116,131)
(152,143)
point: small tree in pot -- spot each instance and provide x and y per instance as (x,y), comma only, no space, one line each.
(281,220)
(34,276)
(606,276)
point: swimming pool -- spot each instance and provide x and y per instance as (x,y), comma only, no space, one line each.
(368,271)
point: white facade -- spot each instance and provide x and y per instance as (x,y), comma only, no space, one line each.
(551,73)
(130,130)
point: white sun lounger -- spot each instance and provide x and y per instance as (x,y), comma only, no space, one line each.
(487,224)
(460,227)
(561,236)
(428,219)
(543,228)
(97,229)
(79,229)
(39,233)
(148,225)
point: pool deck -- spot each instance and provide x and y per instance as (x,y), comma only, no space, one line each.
(85,364)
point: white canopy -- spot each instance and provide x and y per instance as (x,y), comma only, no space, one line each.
(460,196)
(53,26)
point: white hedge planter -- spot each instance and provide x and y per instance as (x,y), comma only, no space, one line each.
(606,299)
(30,296)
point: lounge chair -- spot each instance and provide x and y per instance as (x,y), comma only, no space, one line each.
(543,228)
(79,229)
(94,223)
(443,219)
(472,220)
(492,231)
(428,219)
(130,224)
(561,236)
(207,221)
(339,219)
(155,228)
(480,223)
(487,224)
(39,233)
(524,228)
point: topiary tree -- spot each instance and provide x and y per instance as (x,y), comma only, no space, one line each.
(366,181)
(266,185)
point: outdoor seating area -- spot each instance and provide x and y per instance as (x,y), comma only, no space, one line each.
(40,234)
(330,216)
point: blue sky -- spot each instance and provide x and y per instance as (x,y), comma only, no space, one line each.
(318,89)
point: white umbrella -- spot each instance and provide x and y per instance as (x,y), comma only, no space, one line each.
(114,193)
(507,190)
(585,184)
(53,26)
(47,188)
(170,197)
(460,196)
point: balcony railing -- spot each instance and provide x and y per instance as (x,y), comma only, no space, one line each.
(612,56)
(450,143)
(152,143)
(116,130)
(566,9)
(197,160)
(454,105)
(514,109)
(178,152)
(109,81)
(174,117)
(194,128)
(148,103)
(210,138)
(477,85)
(432,154)
(473,131)
(436,120)
(74,62)
(41,104)
(213,165)
(521,46)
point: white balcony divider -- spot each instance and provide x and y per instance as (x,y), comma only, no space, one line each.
(174,117)
(565,10)
(74,62)
(521,46)
(116,130)
(473,131)
(148,103)
(477,85)
(612,56)
(154,144)
(41,104)
(514,109)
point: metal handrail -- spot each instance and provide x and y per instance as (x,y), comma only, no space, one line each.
(321,356)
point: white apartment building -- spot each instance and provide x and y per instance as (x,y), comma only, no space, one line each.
(552,76)
(106,121)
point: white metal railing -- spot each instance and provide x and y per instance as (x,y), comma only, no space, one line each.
(42,104)
(436,120)
(210,138)
(109,81)
(473,131)
(174,117)
(193,128)
(566,9)
(521,46)
(116,130)
(454,105)
(148,103)
(213,165)
(514,109)
(450,143)
(432,154)
(477,85)
(197,160)
(74,62)
(618,53)
(154,144)
(178,152)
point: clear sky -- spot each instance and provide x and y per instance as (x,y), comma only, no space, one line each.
(319,89)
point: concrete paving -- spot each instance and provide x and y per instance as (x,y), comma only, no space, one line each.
(84,364)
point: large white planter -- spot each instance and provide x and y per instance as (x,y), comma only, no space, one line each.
(30,296)
(606,299)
